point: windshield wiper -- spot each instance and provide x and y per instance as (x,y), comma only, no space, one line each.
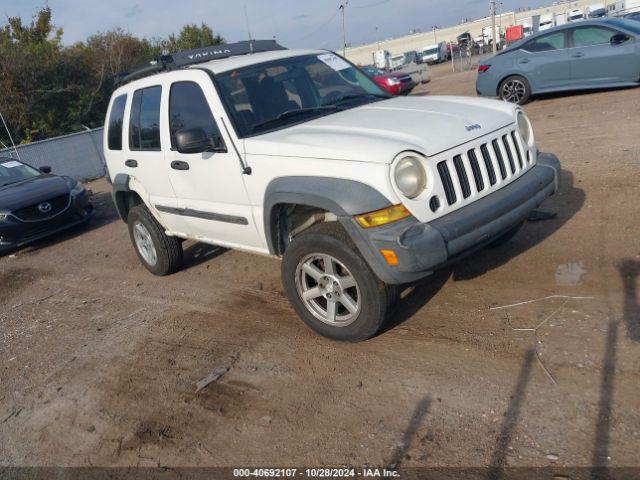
(294,113)
(355,96)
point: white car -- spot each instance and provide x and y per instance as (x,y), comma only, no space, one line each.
(297,154)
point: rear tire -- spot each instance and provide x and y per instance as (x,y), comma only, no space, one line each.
(515,89)
(331,287)
(158,252)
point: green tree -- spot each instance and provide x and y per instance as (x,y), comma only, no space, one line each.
(49,89)
(192,36)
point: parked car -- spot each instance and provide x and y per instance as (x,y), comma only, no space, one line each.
(299,155)
(600,53)
(396,83)
(464,39)
(435,53)
(35,204)
(575,15)
(397,61)
(635,16)
(412,57)
(547,21)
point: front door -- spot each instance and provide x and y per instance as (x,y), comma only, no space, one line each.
(595,61)
(545,62)
(209,187)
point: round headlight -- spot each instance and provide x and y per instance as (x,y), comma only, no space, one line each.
(524,127)
(410,177)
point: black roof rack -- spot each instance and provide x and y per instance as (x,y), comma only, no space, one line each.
(196,55)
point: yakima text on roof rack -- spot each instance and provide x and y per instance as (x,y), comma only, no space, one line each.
(186,58)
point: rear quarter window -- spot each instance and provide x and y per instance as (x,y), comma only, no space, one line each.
(114,126)
(144,121)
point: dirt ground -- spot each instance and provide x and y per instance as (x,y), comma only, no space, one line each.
(99,360)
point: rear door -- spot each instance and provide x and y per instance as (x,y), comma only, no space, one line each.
(595,61)
(544,61)
(143,158)
(209,186)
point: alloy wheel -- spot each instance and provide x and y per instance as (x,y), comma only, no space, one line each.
(514,91)
(328,289)
(144,243)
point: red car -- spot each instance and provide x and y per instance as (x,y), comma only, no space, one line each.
(396,83)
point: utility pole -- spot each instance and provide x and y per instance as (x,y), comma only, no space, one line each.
(343,7)
(435,38)
(492,12)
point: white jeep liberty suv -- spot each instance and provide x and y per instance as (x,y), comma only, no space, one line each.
(297,154)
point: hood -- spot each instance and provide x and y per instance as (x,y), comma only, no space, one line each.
(377,132)
(32,191)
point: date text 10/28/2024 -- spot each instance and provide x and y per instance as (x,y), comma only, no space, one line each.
(368,472)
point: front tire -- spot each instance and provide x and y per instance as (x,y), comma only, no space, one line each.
(158,252)
(331,287)
(515,89)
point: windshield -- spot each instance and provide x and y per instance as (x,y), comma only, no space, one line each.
(373,71)
(12,171)
(430,51)
(630,25)
(274,95)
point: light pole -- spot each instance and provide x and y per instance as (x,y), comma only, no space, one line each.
(343,7)
(492,12)
(435,37)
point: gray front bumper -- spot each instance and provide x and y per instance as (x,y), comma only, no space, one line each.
(424,247)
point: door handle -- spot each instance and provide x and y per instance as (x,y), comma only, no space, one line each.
(179,165)
(578,55)
(131,163)
(525,60)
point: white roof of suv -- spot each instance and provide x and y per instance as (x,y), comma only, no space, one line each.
(231,63)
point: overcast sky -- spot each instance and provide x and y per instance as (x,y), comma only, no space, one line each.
(295,23)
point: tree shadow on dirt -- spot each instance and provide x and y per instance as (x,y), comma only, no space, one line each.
(600,458)
(511,418)
(630,272)
(566,203)
(403,446)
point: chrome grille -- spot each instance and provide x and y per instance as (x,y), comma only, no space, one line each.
(483,168)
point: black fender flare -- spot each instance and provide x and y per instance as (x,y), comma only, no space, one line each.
(120,185)
(344,198)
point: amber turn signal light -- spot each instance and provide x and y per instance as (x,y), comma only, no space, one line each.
(383,217)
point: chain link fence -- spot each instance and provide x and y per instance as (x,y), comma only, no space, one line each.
(469,57)
(78,155)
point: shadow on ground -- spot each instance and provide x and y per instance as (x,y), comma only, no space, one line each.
(566,203)
(198,253)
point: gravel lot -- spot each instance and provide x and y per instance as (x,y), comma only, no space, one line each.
(99,359)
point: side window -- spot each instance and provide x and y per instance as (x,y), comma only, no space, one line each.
(587,36)
(553,41)
(144,122)
(188,108)
(114,132)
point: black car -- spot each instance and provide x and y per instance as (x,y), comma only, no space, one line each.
(34,203)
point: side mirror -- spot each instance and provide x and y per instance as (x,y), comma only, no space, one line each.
(195,140)
(45,169)
(619,38)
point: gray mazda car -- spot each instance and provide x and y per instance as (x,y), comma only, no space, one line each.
(585,55)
